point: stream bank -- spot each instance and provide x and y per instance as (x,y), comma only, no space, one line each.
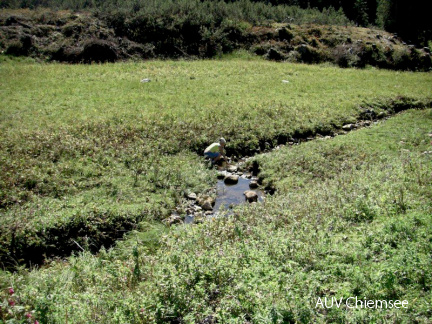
(239,181)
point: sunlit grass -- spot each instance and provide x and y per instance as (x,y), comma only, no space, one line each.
(89,152)
(358,225)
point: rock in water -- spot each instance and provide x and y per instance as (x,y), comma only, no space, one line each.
(221,174)
(206,202)
(232,168)
(253,184)
(231,179)
(207,205)
(192,196)
(251,196)
(173,219)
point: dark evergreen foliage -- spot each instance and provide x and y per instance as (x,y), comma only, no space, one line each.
(407,18)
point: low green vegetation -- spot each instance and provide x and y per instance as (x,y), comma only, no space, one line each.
(89,153)
(359,226)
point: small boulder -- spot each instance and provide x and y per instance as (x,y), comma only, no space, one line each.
(207,205)
(206,202)
(231,179)
(382,114)
(347,127)
(253,184)
(251,196)
(196,208)
(221,175)
(192,196)
(232,168)
(172,220)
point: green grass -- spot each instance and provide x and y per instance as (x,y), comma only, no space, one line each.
(89,153)
(361,231)
(91,146)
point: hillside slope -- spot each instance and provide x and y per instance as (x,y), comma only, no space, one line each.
(83,38)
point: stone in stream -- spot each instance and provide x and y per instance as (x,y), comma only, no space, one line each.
(173,219)
(253,184)
(251,196)
(192,196)
(382,114)
(347,127)
(232,169)
(231,179)
(221,174)
(196,208)
(206,202)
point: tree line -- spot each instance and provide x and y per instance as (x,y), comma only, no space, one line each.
(409,19)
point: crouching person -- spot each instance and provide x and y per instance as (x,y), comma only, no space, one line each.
(215,151)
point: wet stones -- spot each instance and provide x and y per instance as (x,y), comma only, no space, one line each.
(191,196)
(232,169)
(231,179)
(206,202)
(221,174)
(172,220)
(253,184)
(382,114)
(251,196)
(348,127)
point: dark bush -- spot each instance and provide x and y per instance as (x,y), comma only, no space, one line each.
(21,46)
(275,55)
(345,56)
(308,54)
(371,54)
(72,29)
(260,49)
(285,34)
(96,50)
(425,62)
(402,59)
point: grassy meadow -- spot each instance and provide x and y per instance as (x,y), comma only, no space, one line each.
(89,153)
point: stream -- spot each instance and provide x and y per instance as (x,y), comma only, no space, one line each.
(228,195)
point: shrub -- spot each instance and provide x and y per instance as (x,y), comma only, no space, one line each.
(275,55)
(309,54)
(285,34)
(96,50)
(21,46)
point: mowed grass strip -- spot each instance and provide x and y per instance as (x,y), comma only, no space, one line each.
(90,146)
(359,226)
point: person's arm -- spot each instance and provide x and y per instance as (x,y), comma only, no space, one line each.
(222,152)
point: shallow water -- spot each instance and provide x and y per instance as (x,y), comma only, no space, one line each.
(232,195)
